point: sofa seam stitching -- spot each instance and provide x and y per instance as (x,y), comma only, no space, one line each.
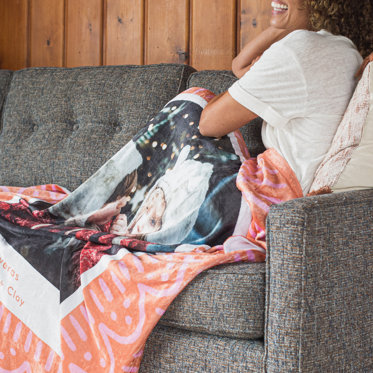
(181,79)
(173,323)
(188,80)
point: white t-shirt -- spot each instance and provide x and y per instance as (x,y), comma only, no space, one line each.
(301,87)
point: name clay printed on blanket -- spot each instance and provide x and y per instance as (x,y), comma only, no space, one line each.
(85,276)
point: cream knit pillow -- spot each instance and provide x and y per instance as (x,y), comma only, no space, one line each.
(348,165)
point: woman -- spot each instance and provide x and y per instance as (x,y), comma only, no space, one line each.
(301,82)
(297,79)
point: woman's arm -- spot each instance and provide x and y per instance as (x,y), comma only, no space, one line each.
(255,48)
(223,115)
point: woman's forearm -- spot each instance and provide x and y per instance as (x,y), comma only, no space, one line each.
(255,48)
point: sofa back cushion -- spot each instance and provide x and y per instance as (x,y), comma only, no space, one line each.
(218,81)
(59,125)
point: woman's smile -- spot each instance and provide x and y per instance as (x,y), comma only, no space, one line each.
(290,15)
(278,7)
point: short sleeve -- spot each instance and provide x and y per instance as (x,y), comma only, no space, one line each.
(274,88)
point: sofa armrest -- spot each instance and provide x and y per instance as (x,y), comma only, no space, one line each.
(319,297)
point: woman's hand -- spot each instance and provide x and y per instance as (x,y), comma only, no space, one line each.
(255,48)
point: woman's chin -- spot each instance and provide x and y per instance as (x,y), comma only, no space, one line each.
(277,21)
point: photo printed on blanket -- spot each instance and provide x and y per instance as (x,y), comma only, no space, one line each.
(170,189)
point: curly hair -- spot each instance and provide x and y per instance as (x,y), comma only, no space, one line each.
(347,18)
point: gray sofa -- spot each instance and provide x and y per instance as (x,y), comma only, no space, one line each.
(308,308)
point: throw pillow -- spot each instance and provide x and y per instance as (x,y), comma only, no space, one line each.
(348,165)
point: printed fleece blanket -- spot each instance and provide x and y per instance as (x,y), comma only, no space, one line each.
(85,276)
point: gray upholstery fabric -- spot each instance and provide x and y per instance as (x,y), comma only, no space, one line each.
(60,125)
(169,350)
(227,300)
(253,137)
(5,77)
(218,82)
(320,284)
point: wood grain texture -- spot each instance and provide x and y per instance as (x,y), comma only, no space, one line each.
(167,31)
(213,42)
(47,32)
(124,32)
(14,34)
(254,17)
(206,34)
(83,36)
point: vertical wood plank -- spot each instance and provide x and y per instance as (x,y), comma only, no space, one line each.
(124,32)
(47,32)
(83,35)
(213,42)
(167,31)
(254,18)
(13,34)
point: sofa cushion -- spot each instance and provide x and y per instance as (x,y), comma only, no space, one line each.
(218,82)
(226,300)
(170,350)
(60,125)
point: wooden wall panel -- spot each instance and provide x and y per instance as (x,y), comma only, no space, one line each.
(124,32)
(206,34)
(13,34)
(167,31)
(213,41)
(47,32)
(83,36)
(254,17)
